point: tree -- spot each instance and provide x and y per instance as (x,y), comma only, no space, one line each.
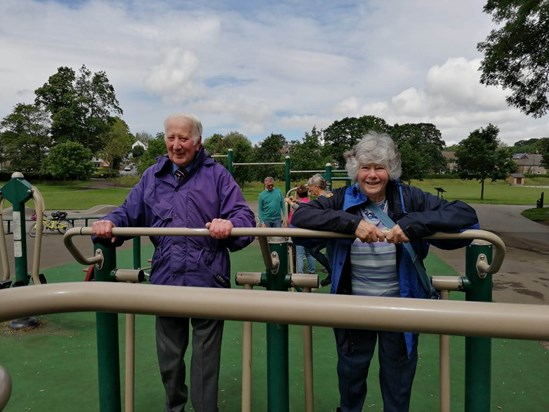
(69,161)
(270,150)
(420,146)
(155,148)
(343,134)
(137,151)
(481,157)
(543,149)
(25,137)
(143,136)
(515,54)
(118,141)
(525,146)
(214,144)
(81,107)
(242,152)
(308,154)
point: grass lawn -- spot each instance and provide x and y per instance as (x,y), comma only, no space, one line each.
(83,195)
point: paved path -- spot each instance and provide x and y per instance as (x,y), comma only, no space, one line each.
(524,275)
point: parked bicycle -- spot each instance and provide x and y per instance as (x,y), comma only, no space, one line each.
(57,222)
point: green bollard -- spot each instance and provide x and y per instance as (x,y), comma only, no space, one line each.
(18,191)
(107,341)
(230,157)
(287,176)
(478,350)
(328,177)
(137,252)
(277,336)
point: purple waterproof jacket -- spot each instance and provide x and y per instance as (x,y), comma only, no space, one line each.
(207,192)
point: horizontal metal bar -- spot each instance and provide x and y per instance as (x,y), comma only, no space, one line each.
(483,266)
(502,320)
(257,164)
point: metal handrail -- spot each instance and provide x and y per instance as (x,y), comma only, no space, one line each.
(482,264)
(488,319)
(5,387)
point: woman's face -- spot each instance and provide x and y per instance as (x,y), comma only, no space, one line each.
(372,179)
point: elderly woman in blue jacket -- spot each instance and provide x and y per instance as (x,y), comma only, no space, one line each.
(377,263)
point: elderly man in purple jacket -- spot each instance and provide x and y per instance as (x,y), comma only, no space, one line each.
(186,188)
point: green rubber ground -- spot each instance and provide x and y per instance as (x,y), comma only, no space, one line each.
(54,367)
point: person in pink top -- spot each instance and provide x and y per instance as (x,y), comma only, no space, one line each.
(301,251)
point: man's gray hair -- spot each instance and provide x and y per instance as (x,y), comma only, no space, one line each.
(375,148)
(188,118)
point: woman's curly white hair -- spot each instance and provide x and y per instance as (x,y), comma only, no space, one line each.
(375,148)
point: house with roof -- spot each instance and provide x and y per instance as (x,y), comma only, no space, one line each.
(529,164)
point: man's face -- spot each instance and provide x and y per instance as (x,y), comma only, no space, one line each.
(179,142)
(269,186)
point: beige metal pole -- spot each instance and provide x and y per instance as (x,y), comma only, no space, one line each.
(444,365)
(483,266)
(129,393)
(308,363)
(39,207)
(502,320)
(5,388)
(247,363)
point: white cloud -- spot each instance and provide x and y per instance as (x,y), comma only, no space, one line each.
(261,68)
(173,77)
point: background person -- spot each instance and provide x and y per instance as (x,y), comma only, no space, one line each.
(376,263)
(318,187)
(186,188)
(270,205)
(301,252)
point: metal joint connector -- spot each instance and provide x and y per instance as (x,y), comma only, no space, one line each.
(129,275)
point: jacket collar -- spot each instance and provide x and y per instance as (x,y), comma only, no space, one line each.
(355,197)
(163,164)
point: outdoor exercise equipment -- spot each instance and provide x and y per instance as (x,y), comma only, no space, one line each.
(18,191)
(276,279)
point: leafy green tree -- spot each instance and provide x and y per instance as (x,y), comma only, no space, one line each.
(270,150)
(143,136)
(525,146)
(243,152)
(214,144)
(118,143)
(68,161)
(420,146)
(543,148)
(25,137)
(308,154)
(515,54)
(138,151)
(155,148)
(482,157)
(343,134)
(81,106)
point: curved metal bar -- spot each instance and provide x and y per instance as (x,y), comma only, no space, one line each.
(488,319)
(482,266)
(39,207)
(3,246)
(5,387)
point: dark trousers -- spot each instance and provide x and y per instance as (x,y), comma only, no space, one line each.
(172,339)
(355,349)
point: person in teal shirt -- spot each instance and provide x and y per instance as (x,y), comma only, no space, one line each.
(271,205)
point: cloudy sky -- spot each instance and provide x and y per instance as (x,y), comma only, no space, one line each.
(261,67)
